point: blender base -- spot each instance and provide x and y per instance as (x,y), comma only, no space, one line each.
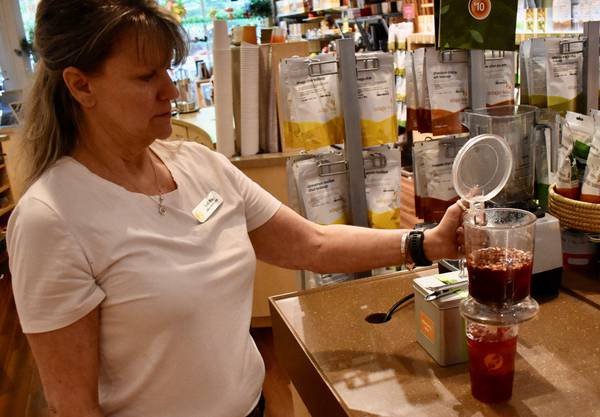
(500,314)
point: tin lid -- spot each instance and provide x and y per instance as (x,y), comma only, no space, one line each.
(427,286)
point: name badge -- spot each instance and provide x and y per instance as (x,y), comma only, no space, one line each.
(207,207)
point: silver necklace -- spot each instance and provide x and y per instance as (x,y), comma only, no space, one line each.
(162,210)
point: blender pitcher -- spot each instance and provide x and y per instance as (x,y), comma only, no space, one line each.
(518,126)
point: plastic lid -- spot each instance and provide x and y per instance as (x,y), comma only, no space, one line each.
(482,168)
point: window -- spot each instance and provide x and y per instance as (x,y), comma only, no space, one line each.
(197,21)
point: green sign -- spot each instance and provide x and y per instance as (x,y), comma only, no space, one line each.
(476,24)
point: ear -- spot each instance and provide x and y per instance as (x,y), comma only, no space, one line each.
(78,84)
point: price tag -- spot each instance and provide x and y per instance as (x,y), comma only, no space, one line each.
(480,9)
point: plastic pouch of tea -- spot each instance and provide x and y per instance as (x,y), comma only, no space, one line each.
(499,72)
(311,111)
(323,198)
(536,73)
(377,100)
(434,159)
(383,182)
(590,188)
(567,176)
(564,82)
(580,128)
(422,92)
(448,86)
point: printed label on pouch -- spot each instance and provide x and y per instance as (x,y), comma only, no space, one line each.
(207,207)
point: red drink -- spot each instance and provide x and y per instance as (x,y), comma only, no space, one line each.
(492,364)
(499,275)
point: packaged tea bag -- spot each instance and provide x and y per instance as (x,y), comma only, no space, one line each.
(383,186)
(422,92)
(590,188)
(536,73)
(412,105)
(580,128)
(499,72)
(568,178)
(524,57)
(564,80)
(311,109)
(435,159)
(448,86)
(323,199)
(377,101)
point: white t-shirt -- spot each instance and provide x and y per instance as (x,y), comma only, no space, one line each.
(175,295)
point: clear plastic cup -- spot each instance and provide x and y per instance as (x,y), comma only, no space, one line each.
(492,351)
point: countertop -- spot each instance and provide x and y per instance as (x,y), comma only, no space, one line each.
(204,118)
(344,366)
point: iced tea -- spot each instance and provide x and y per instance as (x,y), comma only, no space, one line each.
(492,363)
(499,275)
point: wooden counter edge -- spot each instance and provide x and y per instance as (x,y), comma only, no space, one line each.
(262,160)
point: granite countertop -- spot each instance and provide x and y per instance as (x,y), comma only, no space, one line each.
(344,366)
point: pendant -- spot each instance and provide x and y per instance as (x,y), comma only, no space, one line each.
(161,209)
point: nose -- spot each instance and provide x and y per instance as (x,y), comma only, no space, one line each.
(168,89)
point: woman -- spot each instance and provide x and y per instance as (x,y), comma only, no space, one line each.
(131,304)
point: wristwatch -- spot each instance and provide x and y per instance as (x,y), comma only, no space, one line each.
(415,248)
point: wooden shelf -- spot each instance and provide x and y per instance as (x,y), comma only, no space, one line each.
(4,210)
(4,188)
(2,166)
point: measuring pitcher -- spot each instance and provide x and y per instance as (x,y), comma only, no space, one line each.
(518,126)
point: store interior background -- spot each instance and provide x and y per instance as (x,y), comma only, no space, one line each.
(311,26)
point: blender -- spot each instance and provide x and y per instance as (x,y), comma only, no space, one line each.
(519,125)
(499,250)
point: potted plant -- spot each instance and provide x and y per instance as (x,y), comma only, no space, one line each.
(262,9)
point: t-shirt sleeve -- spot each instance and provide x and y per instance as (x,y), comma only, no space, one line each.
(52,279)
(259,204)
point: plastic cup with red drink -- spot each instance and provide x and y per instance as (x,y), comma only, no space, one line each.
(492,351)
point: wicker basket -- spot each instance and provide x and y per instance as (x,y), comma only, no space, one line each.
(574,214)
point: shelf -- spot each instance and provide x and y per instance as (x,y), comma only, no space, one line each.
(2,166)
(4,210)
(327,38)
(294,14)
(329,10)
(4,188)
(305,13)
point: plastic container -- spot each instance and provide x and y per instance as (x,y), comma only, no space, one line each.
(440,327)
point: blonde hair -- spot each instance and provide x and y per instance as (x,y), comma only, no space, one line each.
(82,34)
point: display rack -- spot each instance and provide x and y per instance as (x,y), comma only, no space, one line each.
(347,66)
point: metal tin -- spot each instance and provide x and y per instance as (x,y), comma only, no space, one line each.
(440,327)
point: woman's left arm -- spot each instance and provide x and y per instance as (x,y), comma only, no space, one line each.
(290,241)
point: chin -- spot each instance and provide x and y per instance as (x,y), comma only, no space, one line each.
(164,133)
